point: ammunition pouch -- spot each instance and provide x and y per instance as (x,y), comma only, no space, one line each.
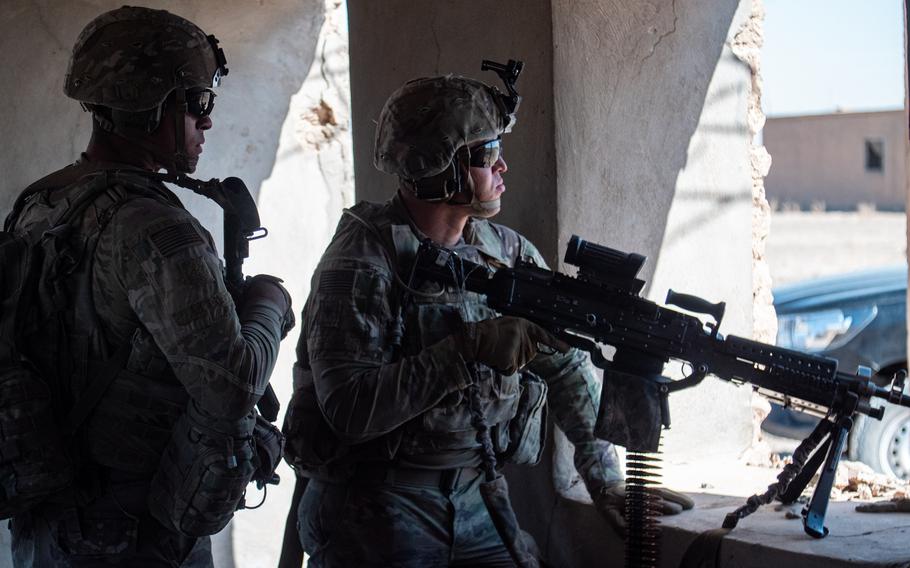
(528,429)
(269,445)
(311,443)
(203,473)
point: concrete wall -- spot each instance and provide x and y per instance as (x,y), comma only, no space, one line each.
(823,159)
(634,132)
(653,157)
(281,123)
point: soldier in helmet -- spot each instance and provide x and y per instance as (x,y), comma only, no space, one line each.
(398,383)
(141,300)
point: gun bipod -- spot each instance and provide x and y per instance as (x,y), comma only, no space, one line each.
(822,448)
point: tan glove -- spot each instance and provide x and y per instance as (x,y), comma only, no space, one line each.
(611,503)
(505,343)
(896,505)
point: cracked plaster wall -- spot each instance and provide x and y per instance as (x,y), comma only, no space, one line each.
(652,149)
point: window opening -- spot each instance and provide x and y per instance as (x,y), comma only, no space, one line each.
(875,153)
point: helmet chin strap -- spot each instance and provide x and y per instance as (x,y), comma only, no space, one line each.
(481,209)
(175,163)
(181,162)
(485,209)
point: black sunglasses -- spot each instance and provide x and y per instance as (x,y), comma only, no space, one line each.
(486,154)
(200,102)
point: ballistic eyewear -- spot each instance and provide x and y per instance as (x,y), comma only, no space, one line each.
(200,102)
(486,154)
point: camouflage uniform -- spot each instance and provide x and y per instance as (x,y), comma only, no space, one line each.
(391,384)
(156,285)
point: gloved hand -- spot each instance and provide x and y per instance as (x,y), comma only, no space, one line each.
(896,505)
(505,343)
(611,502)
(265,288)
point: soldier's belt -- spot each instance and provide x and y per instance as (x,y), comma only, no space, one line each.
(446,480)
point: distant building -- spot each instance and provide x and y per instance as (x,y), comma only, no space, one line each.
(838,161)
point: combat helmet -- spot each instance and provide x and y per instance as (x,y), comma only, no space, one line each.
(428,125)
(127,62)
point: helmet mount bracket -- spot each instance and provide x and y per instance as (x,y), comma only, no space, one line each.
(509,74)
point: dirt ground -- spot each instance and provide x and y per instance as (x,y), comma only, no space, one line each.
(804,245)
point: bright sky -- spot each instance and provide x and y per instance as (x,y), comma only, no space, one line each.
(820,55)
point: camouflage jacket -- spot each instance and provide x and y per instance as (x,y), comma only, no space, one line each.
(156,284)
(384,369)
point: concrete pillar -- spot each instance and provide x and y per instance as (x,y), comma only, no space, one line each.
(634,133)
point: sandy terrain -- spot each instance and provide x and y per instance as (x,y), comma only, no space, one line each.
(807,245)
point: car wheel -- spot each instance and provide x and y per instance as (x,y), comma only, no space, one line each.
(884,444)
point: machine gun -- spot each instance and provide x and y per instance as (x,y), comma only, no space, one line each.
(602,305)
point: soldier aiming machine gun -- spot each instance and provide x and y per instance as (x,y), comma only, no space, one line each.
(602,304)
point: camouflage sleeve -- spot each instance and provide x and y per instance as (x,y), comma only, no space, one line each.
(173,279)
(574,397)
(364,387)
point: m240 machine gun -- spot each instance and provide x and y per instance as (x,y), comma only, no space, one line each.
(602,305)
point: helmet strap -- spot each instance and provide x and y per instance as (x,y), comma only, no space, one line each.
(135,126)
(482,209)
(180,162)
(455,186)
(440,187)
(485,209)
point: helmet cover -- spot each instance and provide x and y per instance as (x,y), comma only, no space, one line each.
(426,121)
(132,58)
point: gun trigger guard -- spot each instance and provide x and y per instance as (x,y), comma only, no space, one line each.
(257,233)
(597,356)
(696,377)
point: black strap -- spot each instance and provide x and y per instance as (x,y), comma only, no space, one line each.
(704,552)
(104,376)
(291,550)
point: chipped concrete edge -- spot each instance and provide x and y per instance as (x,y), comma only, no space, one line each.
(746,46)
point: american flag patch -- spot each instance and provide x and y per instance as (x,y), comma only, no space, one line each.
(172,239)
(336,282)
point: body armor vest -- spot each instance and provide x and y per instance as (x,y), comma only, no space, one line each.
(443,436)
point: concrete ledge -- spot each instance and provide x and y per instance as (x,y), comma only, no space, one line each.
(764,539)
(572,534)
(767,538)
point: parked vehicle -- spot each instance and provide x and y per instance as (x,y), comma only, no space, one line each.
(859,319)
